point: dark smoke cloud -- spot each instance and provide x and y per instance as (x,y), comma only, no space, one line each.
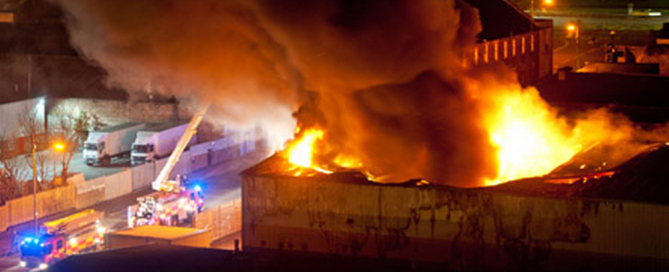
(385,72)
(212,51)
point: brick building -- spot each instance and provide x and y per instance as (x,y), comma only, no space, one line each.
(512,37)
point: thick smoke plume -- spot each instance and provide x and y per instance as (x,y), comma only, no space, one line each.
(207,51)
(383,78)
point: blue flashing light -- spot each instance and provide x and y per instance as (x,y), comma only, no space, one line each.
(30,240)
(198,188)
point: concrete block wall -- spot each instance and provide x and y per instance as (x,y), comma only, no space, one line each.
(4,213)
(113,112)
(462,228)
(143,175)
(49,202)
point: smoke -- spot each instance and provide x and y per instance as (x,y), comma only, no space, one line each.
(384,78)
(200,51)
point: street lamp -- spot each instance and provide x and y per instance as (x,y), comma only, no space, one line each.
(58,146)
(575,29)
(546,2)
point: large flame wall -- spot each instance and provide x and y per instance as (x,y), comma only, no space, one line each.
(459,227)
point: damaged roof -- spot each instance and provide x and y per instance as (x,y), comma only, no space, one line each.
(643,178)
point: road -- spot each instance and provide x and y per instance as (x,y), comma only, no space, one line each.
(220,183)
(603,18)
(77,165)
(595,33)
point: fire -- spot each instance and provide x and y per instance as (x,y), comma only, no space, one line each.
(301,152)
(530,139)
(347,161)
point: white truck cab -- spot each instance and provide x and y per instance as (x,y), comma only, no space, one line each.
(94,148)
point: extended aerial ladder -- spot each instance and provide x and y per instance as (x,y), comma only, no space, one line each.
(172,203)
(162,183)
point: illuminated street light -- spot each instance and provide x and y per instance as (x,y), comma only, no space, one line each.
(60,147)
(575,29)
(532,7)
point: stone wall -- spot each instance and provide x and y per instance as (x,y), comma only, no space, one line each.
(113,112)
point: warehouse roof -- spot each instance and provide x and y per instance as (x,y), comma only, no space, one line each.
(162,232)
(174,258)
(277,166)
(642,178)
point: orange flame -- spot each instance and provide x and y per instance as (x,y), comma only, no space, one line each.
(301,152)
(530,138)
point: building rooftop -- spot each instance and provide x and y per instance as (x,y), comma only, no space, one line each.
(161,232)
(156,127)
(641,179)
(277,166)
(501,18)
(175,258)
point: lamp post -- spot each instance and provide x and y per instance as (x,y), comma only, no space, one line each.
(575,29)
(58,146)
(34,149)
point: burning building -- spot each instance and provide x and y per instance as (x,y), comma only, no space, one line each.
(389,182)
(399,106)
(346,214)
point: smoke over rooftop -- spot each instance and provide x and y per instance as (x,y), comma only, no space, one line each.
(390,88)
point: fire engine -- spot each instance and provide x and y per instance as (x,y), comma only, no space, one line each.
(173,203)
(167,208)
(77,233)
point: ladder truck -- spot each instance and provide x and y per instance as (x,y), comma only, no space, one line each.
(78,233)
(172,203)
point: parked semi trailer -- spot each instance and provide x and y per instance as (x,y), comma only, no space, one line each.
(103,145)
(156,141)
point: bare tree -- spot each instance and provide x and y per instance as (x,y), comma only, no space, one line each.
(13,169)
(70,132)
(33,130)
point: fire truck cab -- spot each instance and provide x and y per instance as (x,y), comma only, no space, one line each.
(77,233)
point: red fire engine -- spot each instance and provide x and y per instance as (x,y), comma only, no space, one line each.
(172,204)
(77,233)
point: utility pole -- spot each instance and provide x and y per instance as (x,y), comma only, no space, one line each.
(532,9)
